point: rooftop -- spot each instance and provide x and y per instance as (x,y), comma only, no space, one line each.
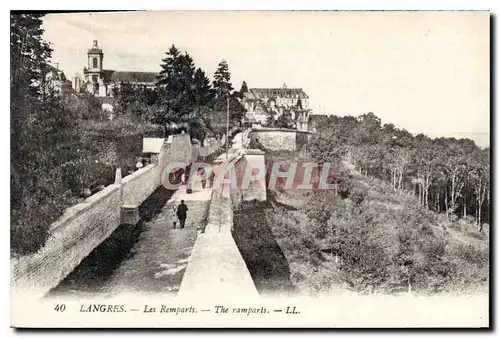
(95,48)
(255,93)
(132,77)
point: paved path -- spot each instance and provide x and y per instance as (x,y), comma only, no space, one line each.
(162,253)
(160,256)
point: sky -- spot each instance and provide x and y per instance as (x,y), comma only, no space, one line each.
(426,72)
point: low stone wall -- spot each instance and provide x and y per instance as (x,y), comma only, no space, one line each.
(256,189)
(210,149)
(216,270)
(139,185)
(71,239)
(279,139)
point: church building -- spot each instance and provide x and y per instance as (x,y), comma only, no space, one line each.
(101,82)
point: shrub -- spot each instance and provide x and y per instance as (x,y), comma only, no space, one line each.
(85,106)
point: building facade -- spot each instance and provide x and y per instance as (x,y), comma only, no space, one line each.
(58,79)
(102,82)
(263,103)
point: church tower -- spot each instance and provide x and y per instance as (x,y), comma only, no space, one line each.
(94,73)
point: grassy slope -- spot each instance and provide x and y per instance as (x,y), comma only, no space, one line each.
(313,271)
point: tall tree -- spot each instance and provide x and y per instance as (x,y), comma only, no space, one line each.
(445,172)
(299,103)
(169,67)
(203,91)
(480,177)
(224,92)
(44,137)
(176,88)
(222,81)
(453,164)
(30,54)
(242,91)
(244,88)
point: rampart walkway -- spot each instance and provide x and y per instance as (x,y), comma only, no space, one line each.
(216,269)
(161,255)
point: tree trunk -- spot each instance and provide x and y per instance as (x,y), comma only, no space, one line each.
(477,213)
(426,201)
(426,197)
(453,191)
(479,209)
(465,205)
(446,200)
(439,200)
(479,217)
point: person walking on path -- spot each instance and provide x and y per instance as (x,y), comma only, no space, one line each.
(201,172)
(174,215)
(182,210)
(211,179)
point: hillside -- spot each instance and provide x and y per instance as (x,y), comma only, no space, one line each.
(370,238)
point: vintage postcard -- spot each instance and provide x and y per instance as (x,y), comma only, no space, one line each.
(289,169)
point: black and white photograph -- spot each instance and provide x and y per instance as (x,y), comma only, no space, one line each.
(250,169)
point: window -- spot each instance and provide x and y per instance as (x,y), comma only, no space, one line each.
(94,78)
(95,63)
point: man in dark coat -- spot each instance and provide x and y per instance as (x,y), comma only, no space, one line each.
(182,213)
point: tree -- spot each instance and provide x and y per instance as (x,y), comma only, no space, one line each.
(369,129)
(224,91)
(453,165)
(445,172)
(284,120)
(176,88)
(169,67)
(30,54)
(44,138)
(480,177)
(244,88)
(222,81)
(299,103)
(203,91)
(137,101)
(123,97)
(270,122)
(398,161)
(84,106)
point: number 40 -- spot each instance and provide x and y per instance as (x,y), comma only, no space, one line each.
(60,307)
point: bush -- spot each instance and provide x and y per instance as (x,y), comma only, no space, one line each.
(42,199)
(49,175)
(85,106)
